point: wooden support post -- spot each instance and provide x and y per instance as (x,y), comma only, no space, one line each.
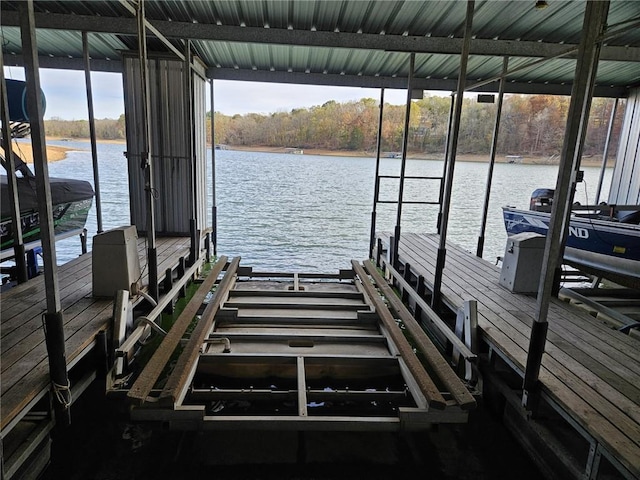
(379,252)
(167,284)
(181,269)
(194,247)
(407,277)
(436,296)
(392,257)
(61,388)
(420,292)
(153,273)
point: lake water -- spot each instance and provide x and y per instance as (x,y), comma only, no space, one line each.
(312,213)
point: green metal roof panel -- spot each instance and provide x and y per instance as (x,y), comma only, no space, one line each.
(427,23)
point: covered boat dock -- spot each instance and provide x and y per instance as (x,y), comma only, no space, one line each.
(536,352)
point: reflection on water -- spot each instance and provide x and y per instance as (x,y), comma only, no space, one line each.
(313,213)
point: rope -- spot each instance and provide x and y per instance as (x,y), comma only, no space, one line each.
(62,393)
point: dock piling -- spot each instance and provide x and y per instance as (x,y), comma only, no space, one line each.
(61,388)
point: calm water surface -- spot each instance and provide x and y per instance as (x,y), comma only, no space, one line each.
(312,213)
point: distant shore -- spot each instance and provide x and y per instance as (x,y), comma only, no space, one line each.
(464,157)
(56,153)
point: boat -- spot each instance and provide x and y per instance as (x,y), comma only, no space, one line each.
(603,240)
(71,200)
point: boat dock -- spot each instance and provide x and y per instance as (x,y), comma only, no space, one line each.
(589,411)
(26,385)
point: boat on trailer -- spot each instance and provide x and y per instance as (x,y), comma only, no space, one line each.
(603,240)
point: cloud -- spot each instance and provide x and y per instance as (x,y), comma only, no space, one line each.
(232,97)
(66,97)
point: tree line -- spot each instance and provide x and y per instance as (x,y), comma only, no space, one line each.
(531,125)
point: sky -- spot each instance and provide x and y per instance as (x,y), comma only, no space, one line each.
(66,98)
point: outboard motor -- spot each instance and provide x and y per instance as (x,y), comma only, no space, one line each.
(541,200)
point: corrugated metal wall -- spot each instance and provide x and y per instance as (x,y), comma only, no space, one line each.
(170,134)
(625,184)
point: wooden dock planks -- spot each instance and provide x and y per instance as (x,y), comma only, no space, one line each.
(590,370)
(24,364)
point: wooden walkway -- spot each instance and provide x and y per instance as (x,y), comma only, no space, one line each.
(590,371)
(25,369)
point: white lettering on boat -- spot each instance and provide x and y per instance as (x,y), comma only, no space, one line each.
(578,232)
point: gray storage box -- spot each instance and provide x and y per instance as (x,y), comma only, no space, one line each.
(522,262)
(115,261)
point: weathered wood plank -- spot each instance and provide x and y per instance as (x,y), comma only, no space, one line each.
(436,361)
(425,383)
(154,367)
(183,370)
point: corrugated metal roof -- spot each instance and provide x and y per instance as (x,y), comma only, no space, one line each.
(278,36)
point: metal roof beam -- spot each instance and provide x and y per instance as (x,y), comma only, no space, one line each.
(448,85)
(115,66)
(66,63)
(398,43)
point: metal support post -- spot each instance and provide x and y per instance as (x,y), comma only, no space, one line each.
(595,18)
(214,208)
(92,129)
(41,166)
(403,164)
(492,160)
(606,150)
(194,252)
(147,162)
(12,182)
(376,188)
(451,157)
(54,339)
(445,163)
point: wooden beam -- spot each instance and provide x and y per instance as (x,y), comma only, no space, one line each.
(436,361)
(152,370)
(427,387)
(184,369)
